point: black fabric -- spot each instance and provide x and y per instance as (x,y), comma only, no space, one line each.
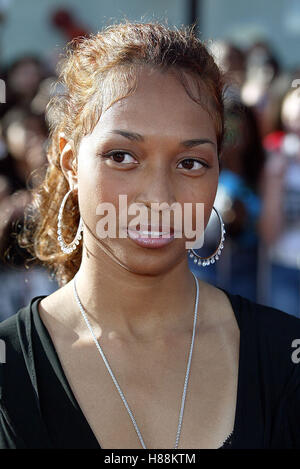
(38,408)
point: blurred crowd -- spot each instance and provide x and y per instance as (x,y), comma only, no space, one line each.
(30,82)
(23,141)
(259,187)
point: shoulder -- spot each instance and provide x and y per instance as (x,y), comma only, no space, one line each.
(12,329)
(271,340)
(257,319)
(273,345)
(9,334)
(16,360)
(266,320)
(18,387)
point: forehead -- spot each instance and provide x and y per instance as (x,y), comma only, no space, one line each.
(159,104)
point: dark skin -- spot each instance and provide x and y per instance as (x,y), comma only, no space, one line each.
(141,301)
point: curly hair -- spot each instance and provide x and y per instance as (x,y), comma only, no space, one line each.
(95,72)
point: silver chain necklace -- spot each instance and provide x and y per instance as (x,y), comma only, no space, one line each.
(116,382)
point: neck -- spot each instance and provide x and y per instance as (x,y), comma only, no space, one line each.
(133,306)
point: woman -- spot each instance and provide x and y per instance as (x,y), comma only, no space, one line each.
(105,361)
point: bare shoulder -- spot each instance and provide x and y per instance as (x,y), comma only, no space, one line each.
(50,303)
(55,309)
(217,306)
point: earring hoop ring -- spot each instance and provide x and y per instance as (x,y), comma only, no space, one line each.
(204,261)
(67,248)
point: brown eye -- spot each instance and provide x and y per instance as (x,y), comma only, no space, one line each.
(120,157)
(191,164)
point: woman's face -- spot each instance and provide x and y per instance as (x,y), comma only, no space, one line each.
(156,145)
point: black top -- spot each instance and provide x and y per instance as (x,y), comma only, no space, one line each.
(38,408)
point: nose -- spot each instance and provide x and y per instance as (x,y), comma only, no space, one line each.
(156,187)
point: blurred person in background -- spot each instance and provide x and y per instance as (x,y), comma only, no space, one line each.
(232,61)
(280,217)
(14,270)
(66,22)
(264,86)
(22,79)
(238,199)
(24,134)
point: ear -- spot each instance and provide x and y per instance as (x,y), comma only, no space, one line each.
(67,157)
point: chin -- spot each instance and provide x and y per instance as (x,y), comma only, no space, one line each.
(153,265)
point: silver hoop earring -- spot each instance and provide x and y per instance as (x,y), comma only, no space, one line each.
(204,261)
(67,248)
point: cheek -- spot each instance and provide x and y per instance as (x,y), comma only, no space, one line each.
(203,191)
(110,186)
(209,198)
(100,185)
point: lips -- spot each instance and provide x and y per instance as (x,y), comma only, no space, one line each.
(151,237)
(147,230)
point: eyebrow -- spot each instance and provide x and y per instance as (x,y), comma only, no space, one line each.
(129,135)
(186,143)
